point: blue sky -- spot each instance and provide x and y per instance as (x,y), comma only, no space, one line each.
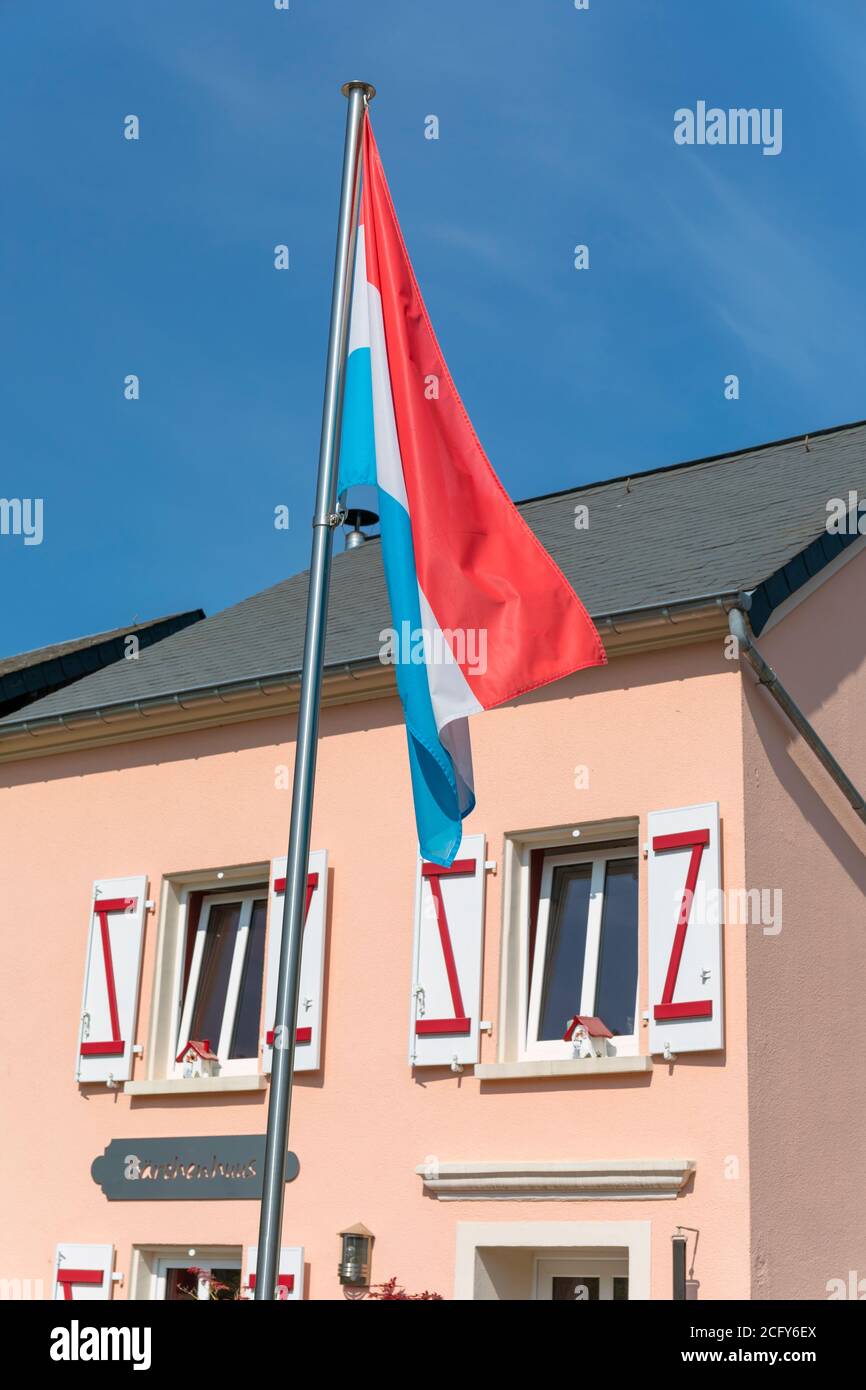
(155,257)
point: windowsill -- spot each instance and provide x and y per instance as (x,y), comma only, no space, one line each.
(582,1066)
(195,1085)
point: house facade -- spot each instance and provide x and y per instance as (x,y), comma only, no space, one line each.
(653,846)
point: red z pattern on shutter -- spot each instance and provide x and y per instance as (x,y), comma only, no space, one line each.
(696,841)
(115,1045)
(284,1281)
(459,1024)
(67,1277)
(302,1035)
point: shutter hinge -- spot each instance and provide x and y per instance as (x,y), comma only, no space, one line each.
(490,864)
(150,905)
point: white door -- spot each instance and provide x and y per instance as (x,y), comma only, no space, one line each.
(582,1280)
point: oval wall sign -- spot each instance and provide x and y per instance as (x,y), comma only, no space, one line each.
(216,1167)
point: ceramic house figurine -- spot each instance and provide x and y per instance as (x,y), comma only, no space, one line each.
(198,1060)
(588,1036)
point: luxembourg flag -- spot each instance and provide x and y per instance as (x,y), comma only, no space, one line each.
(480,612)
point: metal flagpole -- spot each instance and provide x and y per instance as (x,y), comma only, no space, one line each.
(324,521)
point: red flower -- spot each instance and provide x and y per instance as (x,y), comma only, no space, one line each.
(389,1291)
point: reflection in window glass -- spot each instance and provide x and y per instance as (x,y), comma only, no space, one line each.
(616,989)
(181,1286)
(225,1285)
(566,946)
(213,980)
(245,1041)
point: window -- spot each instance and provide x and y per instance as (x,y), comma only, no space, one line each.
(584,955)
(224,969)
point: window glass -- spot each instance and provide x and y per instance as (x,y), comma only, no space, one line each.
(225,1285)
(616,988)
(181,1286)
(245,1042)
(566,946)
(216,964)
(197,1283)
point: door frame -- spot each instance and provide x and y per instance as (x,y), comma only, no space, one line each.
(152,1262)
(634,1236)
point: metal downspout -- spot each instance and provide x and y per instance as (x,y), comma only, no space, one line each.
(767,677)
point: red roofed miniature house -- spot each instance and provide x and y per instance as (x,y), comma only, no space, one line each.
(588,1036)
(197,1059)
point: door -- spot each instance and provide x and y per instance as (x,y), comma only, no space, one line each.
(582,1280)
(198,1280)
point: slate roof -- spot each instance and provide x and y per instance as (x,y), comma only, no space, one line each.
(26,677)
(744,521)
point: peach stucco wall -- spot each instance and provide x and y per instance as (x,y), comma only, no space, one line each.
(806,983)
(655,730)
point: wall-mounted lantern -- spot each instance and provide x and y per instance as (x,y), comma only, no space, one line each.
(354,1266)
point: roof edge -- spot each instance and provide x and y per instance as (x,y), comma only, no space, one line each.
(694,463)
(268,694)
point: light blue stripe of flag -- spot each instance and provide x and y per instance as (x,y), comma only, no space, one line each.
(438,812)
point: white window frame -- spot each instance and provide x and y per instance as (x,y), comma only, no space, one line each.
(207,1262)
(624,1045)
(238,1066)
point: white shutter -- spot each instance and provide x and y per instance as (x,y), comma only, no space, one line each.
(685,932)
(290,1274)
(308,1045)
(83,1272)
(446,971)
(111,978)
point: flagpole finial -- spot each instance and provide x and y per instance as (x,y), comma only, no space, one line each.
(366,87)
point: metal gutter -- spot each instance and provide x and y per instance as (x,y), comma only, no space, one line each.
(620,624)
(768,678)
